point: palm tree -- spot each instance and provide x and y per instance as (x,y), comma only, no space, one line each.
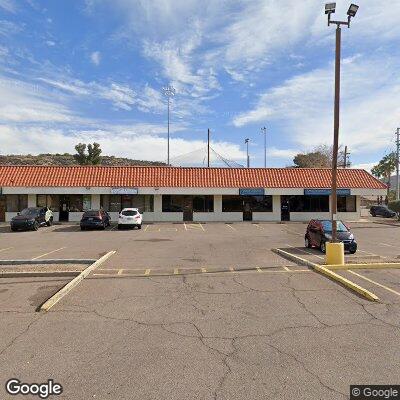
(384,168)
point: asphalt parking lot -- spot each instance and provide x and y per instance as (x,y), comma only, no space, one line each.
(200,311)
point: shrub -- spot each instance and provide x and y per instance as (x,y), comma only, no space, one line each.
(395,206)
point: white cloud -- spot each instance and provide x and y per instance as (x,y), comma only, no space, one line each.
(133,142)
(8,5)
(50,43)
(22,102)
(304,105)
(95,57)
(366,166)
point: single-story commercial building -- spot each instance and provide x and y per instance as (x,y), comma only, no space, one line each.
(185,194)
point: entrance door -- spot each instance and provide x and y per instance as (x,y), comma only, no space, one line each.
(247,213)
(188,208)
(2,208)
(285,208)
(64,208)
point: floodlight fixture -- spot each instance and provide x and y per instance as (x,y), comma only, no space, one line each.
(330,8)
(352,10)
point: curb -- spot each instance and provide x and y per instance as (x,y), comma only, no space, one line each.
(38,274)
(48,261)
(69,286)
(330,274)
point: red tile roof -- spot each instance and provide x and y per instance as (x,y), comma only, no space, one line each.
(132,176)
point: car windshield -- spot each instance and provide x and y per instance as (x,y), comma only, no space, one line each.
(129,213)
(327,225)
(30,212)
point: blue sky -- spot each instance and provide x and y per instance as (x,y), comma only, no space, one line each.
(93,70)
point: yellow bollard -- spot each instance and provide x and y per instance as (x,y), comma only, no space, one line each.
(334,254)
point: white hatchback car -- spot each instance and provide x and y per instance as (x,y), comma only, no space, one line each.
(130,217)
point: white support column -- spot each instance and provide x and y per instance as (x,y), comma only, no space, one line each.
(95,201)
(276,207)
(218,203)
(31,200)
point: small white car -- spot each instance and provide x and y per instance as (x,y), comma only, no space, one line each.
(130,217)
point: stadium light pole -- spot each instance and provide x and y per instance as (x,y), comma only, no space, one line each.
(169,91)
(330,9)
(246,141)
(264,131)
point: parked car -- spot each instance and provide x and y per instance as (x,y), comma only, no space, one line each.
(31,218)
(381,211)
(95,219)
(320,231)
(130,217)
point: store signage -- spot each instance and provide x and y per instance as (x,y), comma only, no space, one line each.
(251,192)
(124,190)
(326,192)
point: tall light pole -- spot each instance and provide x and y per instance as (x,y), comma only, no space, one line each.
(264,131)
(246,141)
(169,91)
(397,164)
(329,10)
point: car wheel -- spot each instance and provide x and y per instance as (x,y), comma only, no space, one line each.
(103,226)
(139,226)
(353,251)
(82,228)
(13,229)
(323,246)
(119,227)
(307,243)
(50,222)
(35,226)
(373,214)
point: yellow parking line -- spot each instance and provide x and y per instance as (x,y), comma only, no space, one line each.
(286,268)
(374,282)
(176,271)
(147,227)
(7,248)
(46,254)
(147,272)
(203,270)
(231,269)
(230,226)
(120,271)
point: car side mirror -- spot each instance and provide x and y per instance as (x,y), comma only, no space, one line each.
(18,213)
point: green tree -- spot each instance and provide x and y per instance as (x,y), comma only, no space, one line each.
(385,167)
(92,157)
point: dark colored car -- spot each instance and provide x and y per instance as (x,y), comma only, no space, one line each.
(381,211)
(320,231)
(95,219)
(31,218)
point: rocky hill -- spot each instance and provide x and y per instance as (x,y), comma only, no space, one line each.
(67,159)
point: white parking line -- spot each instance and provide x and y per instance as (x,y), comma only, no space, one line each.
(230,226)
(50,252)
(371,254)
(113,227)
(7,248)
(387,245)
(296,233)
(374,282)
(147,227)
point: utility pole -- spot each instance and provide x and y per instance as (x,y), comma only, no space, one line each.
(397,164)
(246,141)
(169,91)
(264,130)
(208,148)
(329,10)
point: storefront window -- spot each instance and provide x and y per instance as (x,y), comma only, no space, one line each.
(309,203)
(232,204)
(346,204)
(116,202)
(172,203)
(87,202)
(203,203)
(48,200)
(16,202)
(250,203)
(75,203)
